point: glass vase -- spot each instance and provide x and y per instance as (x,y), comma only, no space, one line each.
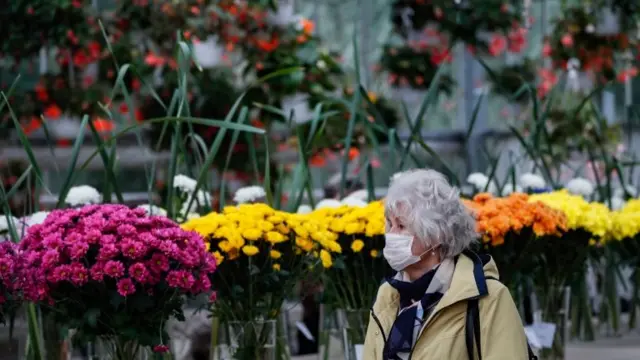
(555,310)
(13,341)
(247,340)
(111,348)
(354,330)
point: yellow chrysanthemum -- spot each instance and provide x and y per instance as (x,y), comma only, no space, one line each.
(219,257)
(275,237)
(275,219)
(357,245)
(593,217)
(325,258)
(374,253)
(304,244)
(276,267)
(224,245)
(250,250)
(275,254)
(252,234)
(265,225)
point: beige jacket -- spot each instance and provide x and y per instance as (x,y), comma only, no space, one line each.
(443,334)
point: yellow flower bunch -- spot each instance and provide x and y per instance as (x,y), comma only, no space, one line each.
(240,229)
(592,216)
(626,221)
(357,223)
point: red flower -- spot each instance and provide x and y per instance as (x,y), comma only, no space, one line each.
(497,45)
(154,60)
(567,40)
(268,45)
(161,349)
(517,39)
(52,111)
(80,58)
(41,93)
(546,49)
(94,49)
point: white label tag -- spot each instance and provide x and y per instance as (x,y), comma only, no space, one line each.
(359,351)
(532,338)
(305,330)
(544,332)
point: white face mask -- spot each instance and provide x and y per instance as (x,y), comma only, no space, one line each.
(397,251)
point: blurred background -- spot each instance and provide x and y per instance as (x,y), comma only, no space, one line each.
(346,92)
(69,55)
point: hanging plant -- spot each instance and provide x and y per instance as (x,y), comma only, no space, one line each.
(27,25)
(575,36)
(571,130)
(416,67)
(511,78)
(478,23)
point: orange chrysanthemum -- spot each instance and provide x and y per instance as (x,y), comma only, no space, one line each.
(497,217)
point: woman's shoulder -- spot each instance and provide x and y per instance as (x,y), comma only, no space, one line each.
(497,292)
(386,296)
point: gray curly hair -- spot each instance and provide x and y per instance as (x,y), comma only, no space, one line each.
(432,211)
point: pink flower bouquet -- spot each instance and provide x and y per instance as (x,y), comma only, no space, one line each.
(10,280)
(114,273)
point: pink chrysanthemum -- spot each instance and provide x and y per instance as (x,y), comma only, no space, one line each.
(126,287)
(117,262)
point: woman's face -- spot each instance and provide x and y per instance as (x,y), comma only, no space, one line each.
(397,225)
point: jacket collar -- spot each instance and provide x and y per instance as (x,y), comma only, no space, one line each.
(468,282)
(469,279)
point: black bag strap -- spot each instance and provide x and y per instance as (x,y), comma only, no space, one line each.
(472,330)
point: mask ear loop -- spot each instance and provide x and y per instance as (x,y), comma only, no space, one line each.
(429,250)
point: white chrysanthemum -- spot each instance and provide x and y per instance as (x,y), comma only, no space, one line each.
(184,183)
(353,201)
(4,223)
(580,186)
(200,201)
(360,195)
(192,215)
(153,209)
(83,195)
(481,182)
(532,181)
(304,209)
(36,218)
(509,189)
(617,203)
(631,190)
(249,194)
(328,203)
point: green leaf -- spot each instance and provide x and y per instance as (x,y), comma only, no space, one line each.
(71,173)
(91,317)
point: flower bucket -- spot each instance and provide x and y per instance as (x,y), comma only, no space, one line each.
(285,14)
(208,54)
(299,104)
(608,22)
(354,330)
(248,340)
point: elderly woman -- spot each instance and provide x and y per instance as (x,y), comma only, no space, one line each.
(445,302)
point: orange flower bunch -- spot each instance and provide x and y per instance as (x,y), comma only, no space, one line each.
(497,217)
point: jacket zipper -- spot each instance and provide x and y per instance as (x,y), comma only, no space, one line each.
(375,318)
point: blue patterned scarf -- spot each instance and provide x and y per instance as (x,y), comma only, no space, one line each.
(417,300)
